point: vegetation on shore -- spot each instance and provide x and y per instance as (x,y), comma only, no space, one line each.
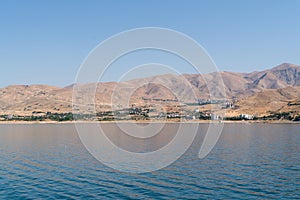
(140,115)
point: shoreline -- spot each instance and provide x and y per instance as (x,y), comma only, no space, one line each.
(148,122)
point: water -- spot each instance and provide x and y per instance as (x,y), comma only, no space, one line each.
(250,161)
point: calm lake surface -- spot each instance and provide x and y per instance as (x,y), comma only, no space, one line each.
(250,161)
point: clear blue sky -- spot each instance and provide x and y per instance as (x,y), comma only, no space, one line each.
(46,41)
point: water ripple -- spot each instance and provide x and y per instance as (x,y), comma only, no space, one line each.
(49,162)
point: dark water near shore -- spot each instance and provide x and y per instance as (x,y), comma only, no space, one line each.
(250,161)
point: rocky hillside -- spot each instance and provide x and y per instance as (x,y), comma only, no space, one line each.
(268,101)
(276,87)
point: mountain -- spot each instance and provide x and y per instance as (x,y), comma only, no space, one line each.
(24,99)
(245,84)
(269,100)
(281,76)
(273,87)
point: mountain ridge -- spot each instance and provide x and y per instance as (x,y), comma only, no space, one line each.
(25,99)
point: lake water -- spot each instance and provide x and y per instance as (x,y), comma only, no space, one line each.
(250,161)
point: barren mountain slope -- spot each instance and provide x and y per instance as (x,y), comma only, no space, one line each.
(275,100)
(252,89)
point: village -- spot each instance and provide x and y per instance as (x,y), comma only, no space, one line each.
(187,112)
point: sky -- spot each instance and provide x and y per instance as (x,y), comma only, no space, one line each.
(45,42)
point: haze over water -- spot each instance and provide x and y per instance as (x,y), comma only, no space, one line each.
(249,161)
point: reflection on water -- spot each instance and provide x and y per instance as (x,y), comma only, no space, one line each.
(249,161)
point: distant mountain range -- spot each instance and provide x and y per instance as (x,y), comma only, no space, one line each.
(259,92)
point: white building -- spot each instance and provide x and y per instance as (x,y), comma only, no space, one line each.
(246,116)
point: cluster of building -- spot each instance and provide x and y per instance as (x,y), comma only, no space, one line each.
(246,116)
